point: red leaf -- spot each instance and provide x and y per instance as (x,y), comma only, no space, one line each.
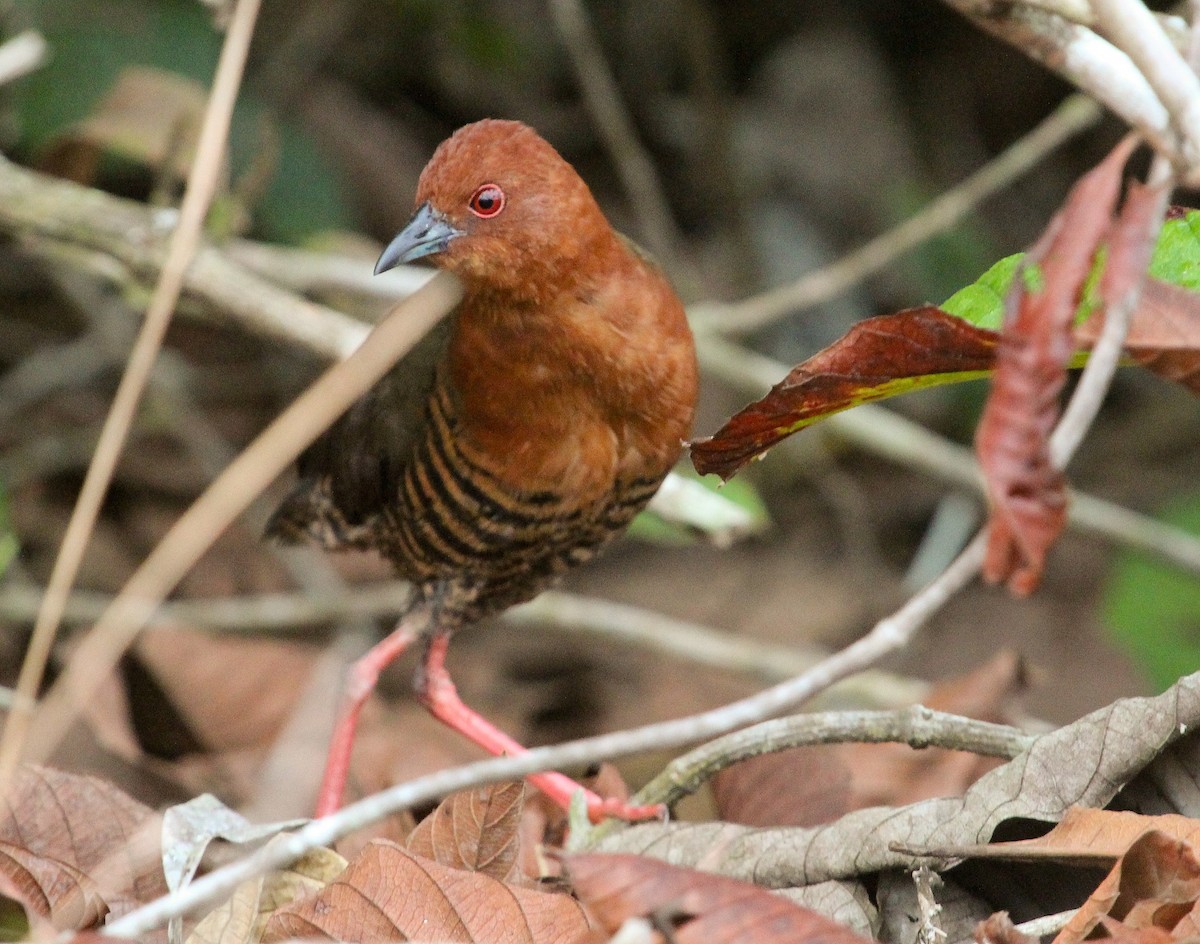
(389,894)
(1164,336)
(1028,494)
(875,359)
(702,907)
(474,830)
(69,849)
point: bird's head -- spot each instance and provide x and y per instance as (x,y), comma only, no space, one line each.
(498,206)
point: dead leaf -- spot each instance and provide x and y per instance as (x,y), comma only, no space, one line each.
(1083,837)
(1155,885)
(1082,764)
(243,917)
(877,358)
(1026,491)
(73,848)
(389,893)
(1164,335)
(475,830)
(697,906)
(234,693)
(801,786)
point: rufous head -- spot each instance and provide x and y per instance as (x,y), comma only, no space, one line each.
(497,205)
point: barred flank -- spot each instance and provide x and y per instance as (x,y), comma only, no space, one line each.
(455,518)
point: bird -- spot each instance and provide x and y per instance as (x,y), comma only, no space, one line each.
(519,438)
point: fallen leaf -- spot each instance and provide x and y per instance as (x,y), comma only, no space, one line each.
(475,830)
(1155,885)
(243,917)
(149,116)
(1084,837)
(74,849)
(697,906)
(388,893)
(234,693)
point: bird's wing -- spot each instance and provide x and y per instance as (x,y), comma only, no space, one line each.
(353,470)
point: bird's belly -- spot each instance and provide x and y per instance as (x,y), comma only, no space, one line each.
(454,526)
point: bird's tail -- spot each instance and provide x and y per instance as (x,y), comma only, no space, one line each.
(309,514)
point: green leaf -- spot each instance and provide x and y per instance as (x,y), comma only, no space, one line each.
(982,302)
(1176,261)
(1153,609)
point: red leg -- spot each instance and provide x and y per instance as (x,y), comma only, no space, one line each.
(437,692)
(360,682)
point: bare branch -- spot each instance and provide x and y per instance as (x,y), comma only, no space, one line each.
(916,726)
(1086,60)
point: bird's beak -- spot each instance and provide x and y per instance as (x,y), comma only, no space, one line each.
(428,232)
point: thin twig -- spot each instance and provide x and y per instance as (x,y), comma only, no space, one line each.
(201,186)
(1076,114)
(916,726)
(269,454)
(292,613)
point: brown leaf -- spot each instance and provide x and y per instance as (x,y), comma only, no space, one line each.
(896,774)
(388,893)
(241,918)
(700,906)
(73,848)
(802,786)
(875,359)
(1027,493)
(149,116)
(1085,836)
(234,693)
(1155,885)
(474,830)
(1164,335)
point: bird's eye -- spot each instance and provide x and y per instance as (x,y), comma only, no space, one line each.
(487,201)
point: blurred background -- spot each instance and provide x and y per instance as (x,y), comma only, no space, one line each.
(782,135)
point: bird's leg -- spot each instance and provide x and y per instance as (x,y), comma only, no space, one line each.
(360,682)
(437,692)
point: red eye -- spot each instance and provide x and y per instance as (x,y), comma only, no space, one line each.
(487,201)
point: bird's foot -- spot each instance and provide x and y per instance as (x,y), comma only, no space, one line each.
(601,808)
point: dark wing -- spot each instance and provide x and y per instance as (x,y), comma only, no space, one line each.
(353,470)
